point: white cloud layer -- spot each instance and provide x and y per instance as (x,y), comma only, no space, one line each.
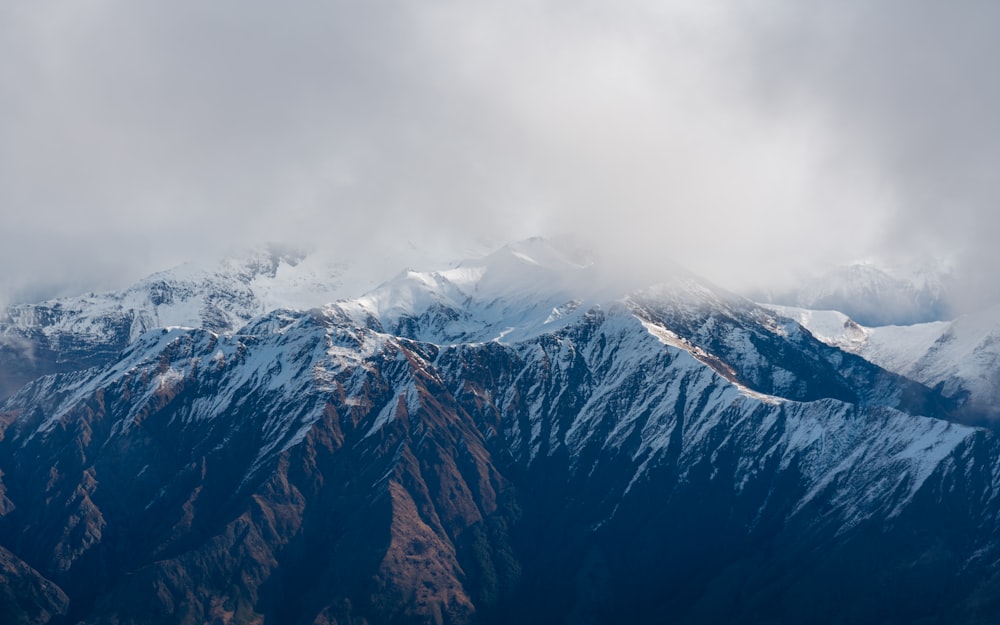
(748,140)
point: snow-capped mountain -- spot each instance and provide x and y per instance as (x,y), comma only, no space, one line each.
(875,296)
(220,298)
(960,357)
(76,332)
(509,439)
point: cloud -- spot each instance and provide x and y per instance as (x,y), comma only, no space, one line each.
(747,140)
(909,85)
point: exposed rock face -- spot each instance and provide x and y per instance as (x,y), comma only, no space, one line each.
(26,596)
(140,498)
(677,456)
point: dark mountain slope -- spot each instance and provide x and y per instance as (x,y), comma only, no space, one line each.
(678,456)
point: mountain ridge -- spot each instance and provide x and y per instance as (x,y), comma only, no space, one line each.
(960,357)
(452,451)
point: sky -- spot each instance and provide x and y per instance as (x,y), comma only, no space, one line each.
(751,141)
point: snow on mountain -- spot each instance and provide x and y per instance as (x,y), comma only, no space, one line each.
(619,371)
(455,441)
(520,289)
(966,355)
(521,296)
(219,298)
(961,357)
(73,333)
(895,348)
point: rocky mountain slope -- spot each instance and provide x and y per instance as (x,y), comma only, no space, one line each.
(503,441)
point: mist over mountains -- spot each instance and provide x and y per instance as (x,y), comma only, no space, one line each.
(746,144)
(753,395)
(873,296)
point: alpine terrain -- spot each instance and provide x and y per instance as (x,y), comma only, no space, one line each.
(513,438)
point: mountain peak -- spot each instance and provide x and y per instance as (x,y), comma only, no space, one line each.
(554,253)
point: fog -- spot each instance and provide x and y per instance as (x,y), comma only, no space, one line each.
(752,142)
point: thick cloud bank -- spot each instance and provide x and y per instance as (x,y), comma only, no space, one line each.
(749,141)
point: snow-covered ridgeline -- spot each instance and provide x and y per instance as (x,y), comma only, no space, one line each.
(609,381)
(219,298)
(962,356)
(673,374)
(516,292)
(613,384)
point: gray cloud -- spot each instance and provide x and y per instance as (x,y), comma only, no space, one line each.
(911,86)
(747,140)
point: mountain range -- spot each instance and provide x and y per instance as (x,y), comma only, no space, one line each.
(511,438)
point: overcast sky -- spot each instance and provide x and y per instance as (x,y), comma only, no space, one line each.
(746,140)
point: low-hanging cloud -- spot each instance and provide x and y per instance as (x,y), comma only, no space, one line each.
(747,140)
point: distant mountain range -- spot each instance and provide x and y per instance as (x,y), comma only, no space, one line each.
(510,438)
(874,296)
